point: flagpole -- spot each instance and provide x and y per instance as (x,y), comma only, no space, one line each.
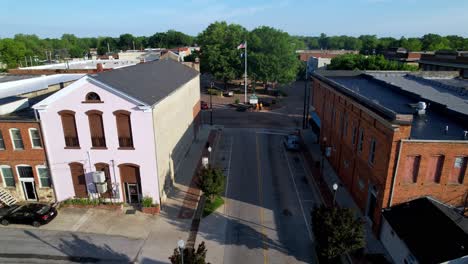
(245,74)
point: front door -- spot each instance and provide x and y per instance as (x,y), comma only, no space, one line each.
(29,190)
(371,203)
(26,178)
(133,193)
(79,180)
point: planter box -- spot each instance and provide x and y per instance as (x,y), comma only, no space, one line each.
(113,207)
(150,210)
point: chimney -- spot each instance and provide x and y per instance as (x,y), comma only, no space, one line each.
(99,67)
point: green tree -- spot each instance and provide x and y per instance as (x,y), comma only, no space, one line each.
(336,231)
(212,182)
(191,256)
(434,42)
(219,55)
(126,42)
(272,56)
(369,44)
(371,62)
(411,44)
(11,52)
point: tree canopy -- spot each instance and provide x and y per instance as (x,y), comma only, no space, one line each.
(219,54)
(370,62)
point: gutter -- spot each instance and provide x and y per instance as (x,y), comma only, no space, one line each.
(392,189)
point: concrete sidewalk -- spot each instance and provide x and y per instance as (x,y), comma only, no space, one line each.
(171,227)
(343,197)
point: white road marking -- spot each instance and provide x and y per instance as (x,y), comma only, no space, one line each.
(297,192)
(82,220)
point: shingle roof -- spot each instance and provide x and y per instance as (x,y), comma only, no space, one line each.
(148,82)
(433,232)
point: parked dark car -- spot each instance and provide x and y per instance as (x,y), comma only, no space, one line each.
(30,214)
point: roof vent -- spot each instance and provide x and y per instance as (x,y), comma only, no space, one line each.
(421,108)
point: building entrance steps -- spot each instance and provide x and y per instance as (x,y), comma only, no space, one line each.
(343,197)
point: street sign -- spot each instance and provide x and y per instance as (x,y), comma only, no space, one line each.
(253,99)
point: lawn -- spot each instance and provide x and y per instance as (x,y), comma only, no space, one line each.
(211,206)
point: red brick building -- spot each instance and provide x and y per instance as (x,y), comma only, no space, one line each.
(446,61)
(394,136)
(23,167)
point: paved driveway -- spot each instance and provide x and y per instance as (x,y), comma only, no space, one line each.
(99,221)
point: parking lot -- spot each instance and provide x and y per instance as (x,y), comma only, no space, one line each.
(99,221)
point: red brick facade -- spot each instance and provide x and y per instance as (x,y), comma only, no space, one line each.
(28,156)
(343,119)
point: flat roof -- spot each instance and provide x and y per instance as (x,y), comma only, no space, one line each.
(432,231)
(396,94)
(26,114)
(12,77)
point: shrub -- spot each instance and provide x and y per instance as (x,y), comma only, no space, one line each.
(211,206)
(147,201)
(211,182)
(82,201)
(237,101)
(191,256)
(213,91)
(283,93)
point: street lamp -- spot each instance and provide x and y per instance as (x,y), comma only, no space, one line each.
(335,188)
(209,151)
(181,245)
(211,104)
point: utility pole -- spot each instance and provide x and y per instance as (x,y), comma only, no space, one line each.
(245,74)
(211,104)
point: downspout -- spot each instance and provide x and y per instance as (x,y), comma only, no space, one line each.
(156,155)
(392,189)
(46,156)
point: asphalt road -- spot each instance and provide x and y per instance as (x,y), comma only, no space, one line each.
(269,201)
(46,246)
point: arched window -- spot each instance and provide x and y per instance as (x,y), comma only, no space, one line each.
(69,129)
(92,97)
(124,129)
(96,128)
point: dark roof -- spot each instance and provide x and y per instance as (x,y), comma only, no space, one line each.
(26,114)
(433,232)
(396,95)
(11,77)
(10,99)
(148,82)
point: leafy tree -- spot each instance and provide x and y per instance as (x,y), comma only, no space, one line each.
(371,62)
(211,182)
(411,44)
(126,41)
(219,56)
(192,57)
(272,56)
(191,256)
(369,44)
(11,52)
(336,231)
(435,42)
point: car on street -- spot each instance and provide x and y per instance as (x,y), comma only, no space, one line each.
(291,142)
(204,105)
(228,93)
(35,214)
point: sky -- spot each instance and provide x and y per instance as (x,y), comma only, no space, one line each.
(88,18)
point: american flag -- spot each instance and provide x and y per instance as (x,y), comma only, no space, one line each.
(241,46)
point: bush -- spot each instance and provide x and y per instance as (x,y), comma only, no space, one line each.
(213,91)
(282,93)
(237,101)
(211,182)
(211,206)
(81,201)
(191,256)
(147,201)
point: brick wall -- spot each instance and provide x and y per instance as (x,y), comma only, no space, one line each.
(29,156)
(361,176)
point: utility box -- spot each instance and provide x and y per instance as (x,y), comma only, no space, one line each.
(99,177)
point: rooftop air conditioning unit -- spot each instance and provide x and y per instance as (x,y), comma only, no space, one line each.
(99,177)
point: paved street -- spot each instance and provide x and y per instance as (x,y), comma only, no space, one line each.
(267,212)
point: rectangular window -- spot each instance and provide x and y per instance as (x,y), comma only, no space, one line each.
(124,129)
(361,140)
(410,175)
(96,126)
(25,172)
(7,174)
(345,126)
(2,142)
(459,169)
(16,138)
(35,138)
(434,168)
(372,151)
(353,139)
(44,177)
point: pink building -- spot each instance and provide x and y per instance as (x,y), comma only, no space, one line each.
(101,132)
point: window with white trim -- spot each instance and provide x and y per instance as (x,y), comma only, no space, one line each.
(7,175)
(44,177)
(16,139)
(2,142)
(35,138)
